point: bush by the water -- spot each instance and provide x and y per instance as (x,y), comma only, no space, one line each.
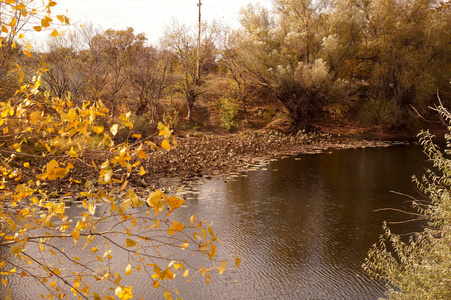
(421,268)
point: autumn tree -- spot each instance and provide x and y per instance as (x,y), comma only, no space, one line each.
(149,73)
(192,58)
(16,17)
(397,52)
(283,55)
(117,47)
(63,62)
(50,142)
(95,70)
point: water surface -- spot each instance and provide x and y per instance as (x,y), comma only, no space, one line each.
(302,226)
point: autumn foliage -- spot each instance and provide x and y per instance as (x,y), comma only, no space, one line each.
(54,153)
(45,140)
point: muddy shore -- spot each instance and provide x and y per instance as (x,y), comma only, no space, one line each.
(199,156)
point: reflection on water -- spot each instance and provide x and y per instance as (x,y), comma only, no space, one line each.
(302,228)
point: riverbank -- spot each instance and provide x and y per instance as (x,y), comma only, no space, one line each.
(199,155)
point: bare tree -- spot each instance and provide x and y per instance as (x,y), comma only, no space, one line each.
(192,58)
(149,79)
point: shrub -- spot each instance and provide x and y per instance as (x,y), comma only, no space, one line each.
(421,268)
(229,110)
(380,112)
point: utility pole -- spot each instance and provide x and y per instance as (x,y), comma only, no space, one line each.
(198,40)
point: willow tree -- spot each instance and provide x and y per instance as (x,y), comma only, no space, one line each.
(282,53)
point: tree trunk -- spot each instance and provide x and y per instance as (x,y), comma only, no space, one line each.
(190,111)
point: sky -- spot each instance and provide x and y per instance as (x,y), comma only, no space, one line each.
(151,16)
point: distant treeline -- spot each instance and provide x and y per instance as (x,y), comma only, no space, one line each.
(377,60)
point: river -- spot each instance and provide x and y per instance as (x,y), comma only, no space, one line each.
(302,225)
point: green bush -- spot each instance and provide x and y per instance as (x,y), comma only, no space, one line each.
(171,118)
(229,110)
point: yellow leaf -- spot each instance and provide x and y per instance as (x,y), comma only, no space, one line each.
(37,28)
(13,22)
(142,171)
(174,203)
(27,53)
(16,249)
(114,129)
(124,293)
(108,175)
(165,145)
(176,226)
(208,279)
(137,136)
(186,273)
(4,29)
(167,295)
(55,33)
(57,271)
(237,261)
(91,208)
(152,145)
(34,117)
(76,235)
(142,154)
(5,282)
(128,269)
(221,269)
(72,153)
(12,225)
(130,243)
(2,264)
(60,18)
(154,201)
(164,130)
(192,219)
(98,129)
(26,165)
(184,246)
(45,22)
(96,296)
(213,251)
